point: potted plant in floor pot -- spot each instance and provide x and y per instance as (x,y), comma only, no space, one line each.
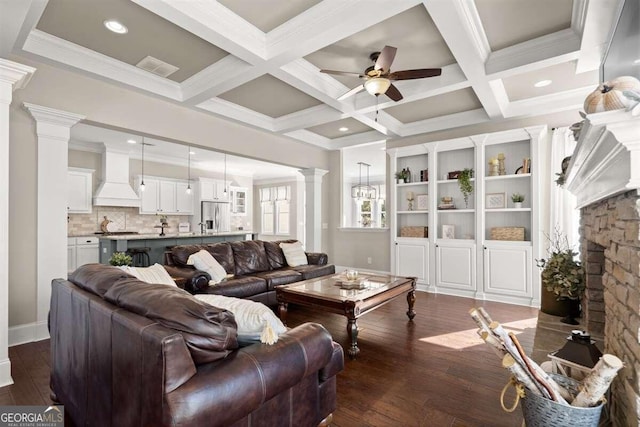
(563,281)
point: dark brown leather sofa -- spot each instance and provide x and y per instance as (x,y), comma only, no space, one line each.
(129,353)
(257,267)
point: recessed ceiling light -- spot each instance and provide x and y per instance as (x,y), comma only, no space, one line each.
(115,26)
(637,61)
(131,141)
(542,83)
(343,129)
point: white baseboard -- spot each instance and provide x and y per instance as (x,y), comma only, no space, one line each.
(5,373)
(28,332)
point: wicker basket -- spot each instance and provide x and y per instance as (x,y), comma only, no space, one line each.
(507,233)
(414,231)
(541,412)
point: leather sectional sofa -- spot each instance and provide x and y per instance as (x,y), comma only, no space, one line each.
(129,353)
(257,267)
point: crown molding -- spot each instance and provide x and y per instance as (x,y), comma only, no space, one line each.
(46,115)
(236,112)
(16,74)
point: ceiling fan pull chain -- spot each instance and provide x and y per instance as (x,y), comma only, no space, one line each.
(377,96)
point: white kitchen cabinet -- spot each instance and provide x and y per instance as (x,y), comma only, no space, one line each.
(213,190)
(184,200)
(81,251)
(79,190)
(238,201)
(456,268)
(165,196)
(412,259)
(507,270)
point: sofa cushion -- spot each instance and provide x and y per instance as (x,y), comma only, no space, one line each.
(209,332)
(223,254)
(275,256)
(256,322)
(294,254)
(249,257)
(97,278)
(279,277)
(154,274)
(238,286)
(312,271)
(181,254)
(204,261)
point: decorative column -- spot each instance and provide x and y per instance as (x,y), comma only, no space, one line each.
(53,128)
(313,208)
(12,76)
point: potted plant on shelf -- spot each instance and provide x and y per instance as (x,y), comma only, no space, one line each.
(119,259)
(562,279)
(464,182)
(402,176)
(517,200)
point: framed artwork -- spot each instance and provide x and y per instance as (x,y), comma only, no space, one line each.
(495,200)
(448,231)
(422,202)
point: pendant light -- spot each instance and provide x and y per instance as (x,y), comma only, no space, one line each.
(189,170)
(361,191)
(142,180)
(225,175)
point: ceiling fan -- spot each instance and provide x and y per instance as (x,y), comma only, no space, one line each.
(378,77)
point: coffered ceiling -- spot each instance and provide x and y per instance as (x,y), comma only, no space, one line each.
(258,62)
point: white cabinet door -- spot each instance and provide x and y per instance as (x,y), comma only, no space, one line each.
(79,187)
(167,197)
(207,189)
(507,270)
(219,194)
(238,201)
(149,197)
(87,254)
(455,268)
(71,257)
(412,259)
(184,201)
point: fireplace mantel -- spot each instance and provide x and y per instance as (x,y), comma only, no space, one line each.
(606,160)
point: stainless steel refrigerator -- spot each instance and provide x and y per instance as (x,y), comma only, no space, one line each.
(216,216)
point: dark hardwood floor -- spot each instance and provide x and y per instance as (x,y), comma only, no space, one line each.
(433,371)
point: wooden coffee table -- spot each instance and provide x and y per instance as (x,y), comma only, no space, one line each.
(351,299)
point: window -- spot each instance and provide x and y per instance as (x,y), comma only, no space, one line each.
(370,213)
(275,208)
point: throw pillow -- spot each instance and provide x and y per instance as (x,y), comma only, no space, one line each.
(254,320)
(294,254)
(154,274)
(204,261)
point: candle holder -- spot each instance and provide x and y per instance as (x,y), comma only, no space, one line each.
(501,168)
(410,205)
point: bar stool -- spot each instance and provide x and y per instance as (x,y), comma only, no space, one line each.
(139,256)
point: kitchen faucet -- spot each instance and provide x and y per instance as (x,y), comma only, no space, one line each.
(202,227)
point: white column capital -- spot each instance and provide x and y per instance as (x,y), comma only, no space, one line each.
(312,174)
(17,75)
(52,116)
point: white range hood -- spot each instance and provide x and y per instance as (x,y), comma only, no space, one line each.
(115,189)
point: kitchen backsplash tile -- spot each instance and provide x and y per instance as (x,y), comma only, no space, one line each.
(129,219)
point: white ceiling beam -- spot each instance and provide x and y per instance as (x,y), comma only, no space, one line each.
(449,121)
(385,124)
(541,52)
(596,23)
(214,23)
(17,19)
(547,104)
(306,118)
(356,139)
(459,24)
(310,138)
(73,55)
(236,112)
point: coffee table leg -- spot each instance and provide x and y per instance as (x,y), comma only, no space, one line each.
(411,299)
(352,329)
(282,312)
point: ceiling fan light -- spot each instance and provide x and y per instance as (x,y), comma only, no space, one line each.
(377,85)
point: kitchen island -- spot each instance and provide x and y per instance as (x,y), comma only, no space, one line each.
(159,244)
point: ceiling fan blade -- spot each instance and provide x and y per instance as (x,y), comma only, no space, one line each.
(351,92)
(415,74)
(385,59)
(393,93)
(342,73)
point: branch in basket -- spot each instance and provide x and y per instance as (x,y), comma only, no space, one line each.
(494,343)
(519,373)
(595,385)
(480,321)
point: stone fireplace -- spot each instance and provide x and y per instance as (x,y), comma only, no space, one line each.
(605,177)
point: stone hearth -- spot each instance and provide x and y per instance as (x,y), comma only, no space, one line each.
(605,177)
